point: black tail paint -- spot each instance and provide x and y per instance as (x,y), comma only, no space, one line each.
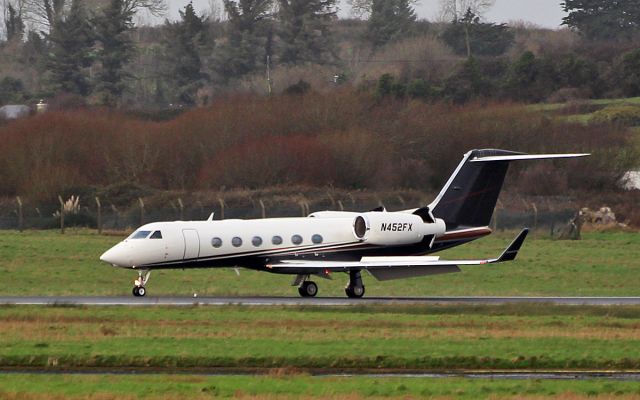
(469,197)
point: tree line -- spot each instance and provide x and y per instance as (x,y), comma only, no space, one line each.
(93,52)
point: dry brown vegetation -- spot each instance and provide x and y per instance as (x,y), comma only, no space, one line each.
(342,139)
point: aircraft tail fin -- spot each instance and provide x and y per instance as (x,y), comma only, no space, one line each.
(470,195)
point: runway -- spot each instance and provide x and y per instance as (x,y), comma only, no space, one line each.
(299,301)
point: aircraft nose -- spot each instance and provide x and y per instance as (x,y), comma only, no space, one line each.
(115,256)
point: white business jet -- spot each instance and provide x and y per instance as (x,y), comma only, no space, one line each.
(389,245)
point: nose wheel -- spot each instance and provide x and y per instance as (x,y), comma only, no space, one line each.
(138,288)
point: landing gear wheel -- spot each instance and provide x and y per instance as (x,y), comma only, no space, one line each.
(138,288)
(354,292)
(139,291)
(355,288)
(308,289)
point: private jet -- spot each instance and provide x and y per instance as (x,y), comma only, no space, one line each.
(387,245)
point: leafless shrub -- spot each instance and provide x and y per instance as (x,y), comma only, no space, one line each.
(425,57)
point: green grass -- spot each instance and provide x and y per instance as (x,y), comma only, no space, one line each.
(586,117)
(371,338)
(603,264)
(300,387)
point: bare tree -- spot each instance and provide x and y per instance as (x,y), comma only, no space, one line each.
(43,14)
(453,10)
(156,7)
(215,11)
(362,8)
(12,18)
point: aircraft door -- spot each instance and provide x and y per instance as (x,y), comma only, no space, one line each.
(191,243)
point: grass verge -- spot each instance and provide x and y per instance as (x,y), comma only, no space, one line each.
(602,264)
(26,386)
(538,337)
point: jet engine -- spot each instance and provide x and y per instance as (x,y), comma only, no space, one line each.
(394,228)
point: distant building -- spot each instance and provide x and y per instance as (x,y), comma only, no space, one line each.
(14,111)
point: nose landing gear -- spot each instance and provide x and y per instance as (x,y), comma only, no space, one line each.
(138,288)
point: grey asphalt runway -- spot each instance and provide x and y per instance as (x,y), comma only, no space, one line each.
(299,301)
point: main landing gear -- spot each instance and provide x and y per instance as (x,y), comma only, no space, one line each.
(138,288)
(355,287)
(308,289)
(305,288)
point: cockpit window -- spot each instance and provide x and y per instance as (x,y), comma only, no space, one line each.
(156,235)
(140,235)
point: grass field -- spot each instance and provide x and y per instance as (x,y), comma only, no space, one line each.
(602,264)
(19,386)
(306,339)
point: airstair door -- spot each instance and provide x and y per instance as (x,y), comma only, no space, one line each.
(191,243)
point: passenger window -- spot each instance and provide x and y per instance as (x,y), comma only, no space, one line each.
(236,242)
(257,241)
(317,239)
(140,235)
(276,240)
(216,242)
(156,235)
(296,239)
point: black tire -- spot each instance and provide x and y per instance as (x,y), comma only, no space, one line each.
(135,291)
(354,292)
(308,289)
(142,291)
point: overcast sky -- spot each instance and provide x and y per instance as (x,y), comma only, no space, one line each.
(545,13)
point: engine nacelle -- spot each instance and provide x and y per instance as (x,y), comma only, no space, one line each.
(394,228)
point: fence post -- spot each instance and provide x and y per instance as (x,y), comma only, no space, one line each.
(221,201)
(333,201)
(535,217)
(117,214)
(20,215)
(495,215)
(264,211)
(340,205)
(99,221)
(141,210)
(61,214)
(181,205)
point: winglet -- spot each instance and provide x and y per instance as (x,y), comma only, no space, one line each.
(510,253)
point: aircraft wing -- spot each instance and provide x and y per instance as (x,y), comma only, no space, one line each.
(387,268)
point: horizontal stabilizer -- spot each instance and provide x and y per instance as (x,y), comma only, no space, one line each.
(523,157)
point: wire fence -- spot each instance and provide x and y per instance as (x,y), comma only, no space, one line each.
(102,215)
